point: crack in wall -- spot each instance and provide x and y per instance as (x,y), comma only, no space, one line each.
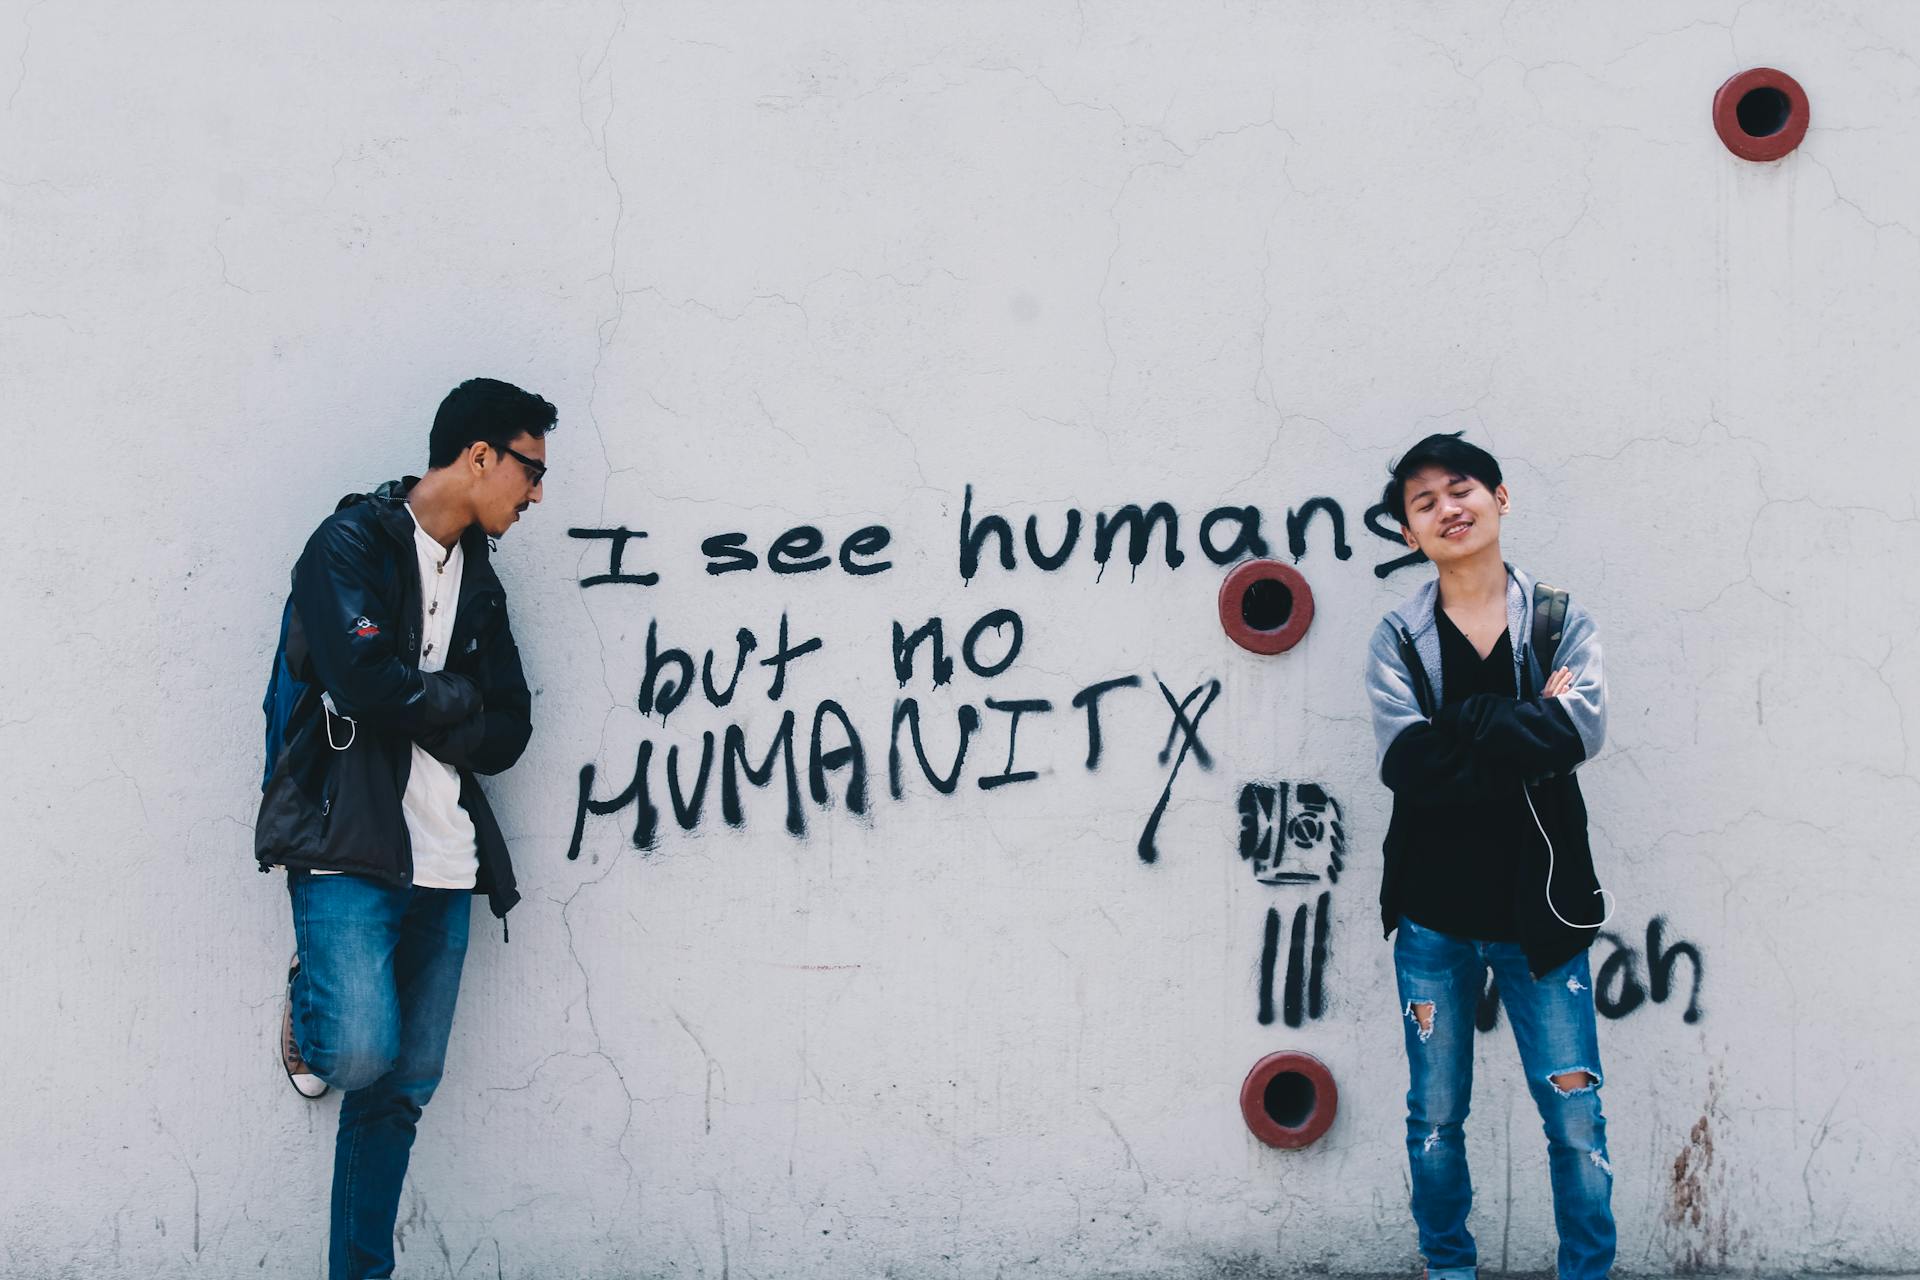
(1842,200)
(593,1026)
(1133,1161)
(26,43)
(708,1056)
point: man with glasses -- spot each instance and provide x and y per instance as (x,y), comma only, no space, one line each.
(396,681)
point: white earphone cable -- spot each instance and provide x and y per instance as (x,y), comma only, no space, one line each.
(1606,898)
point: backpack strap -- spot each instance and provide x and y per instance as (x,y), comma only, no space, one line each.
(1549,622)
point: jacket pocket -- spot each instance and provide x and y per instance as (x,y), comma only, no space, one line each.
(289,825)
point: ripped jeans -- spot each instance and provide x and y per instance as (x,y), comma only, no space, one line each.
(1553,1025)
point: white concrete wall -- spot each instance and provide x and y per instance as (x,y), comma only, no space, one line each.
(830,264)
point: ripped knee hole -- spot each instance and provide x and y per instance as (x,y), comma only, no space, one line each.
(1421,1011)
(1573,1081)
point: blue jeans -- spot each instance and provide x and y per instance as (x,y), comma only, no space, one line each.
(372,1009)
(1554,1027)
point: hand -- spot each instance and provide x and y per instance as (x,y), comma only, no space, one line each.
(1558,683)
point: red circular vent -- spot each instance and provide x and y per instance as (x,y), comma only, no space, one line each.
(1760,114)
(1289,1100)
(1266,606)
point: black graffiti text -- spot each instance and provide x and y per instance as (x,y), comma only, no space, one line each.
(1187,730)
(1378,524)
(1618,990)
(667,676)
(1000,626)
(830,765)
(801,549)
(1225,534)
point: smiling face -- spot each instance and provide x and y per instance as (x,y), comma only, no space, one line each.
(505,482)
(1452,517)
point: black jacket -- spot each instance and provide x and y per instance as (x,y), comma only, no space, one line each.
(1485,749)
(1493,749)
(351,629)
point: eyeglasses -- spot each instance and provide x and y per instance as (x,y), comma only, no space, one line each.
(536,471)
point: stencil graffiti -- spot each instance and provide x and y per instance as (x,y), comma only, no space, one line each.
(1303,994)
(1291,832)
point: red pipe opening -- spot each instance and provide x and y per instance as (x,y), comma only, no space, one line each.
(1289,1100)
(1265,606)
(1761,114)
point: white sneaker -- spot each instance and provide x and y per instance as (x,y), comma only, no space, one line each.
(299,1074)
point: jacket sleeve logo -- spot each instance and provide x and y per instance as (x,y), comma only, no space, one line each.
(365,628)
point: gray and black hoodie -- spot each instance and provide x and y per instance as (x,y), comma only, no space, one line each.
(1430,754)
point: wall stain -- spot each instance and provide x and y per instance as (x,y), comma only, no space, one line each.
(1696,1213)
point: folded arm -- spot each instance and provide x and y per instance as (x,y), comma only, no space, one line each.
(1534,736)
(1549,734)
(490,740)
(1418,757)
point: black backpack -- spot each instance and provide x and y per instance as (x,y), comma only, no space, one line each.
(1549,622)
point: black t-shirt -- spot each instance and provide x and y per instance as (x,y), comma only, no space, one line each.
(1463,856)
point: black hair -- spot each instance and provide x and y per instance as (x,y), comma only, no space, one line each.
(489,410)
(1446,451)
